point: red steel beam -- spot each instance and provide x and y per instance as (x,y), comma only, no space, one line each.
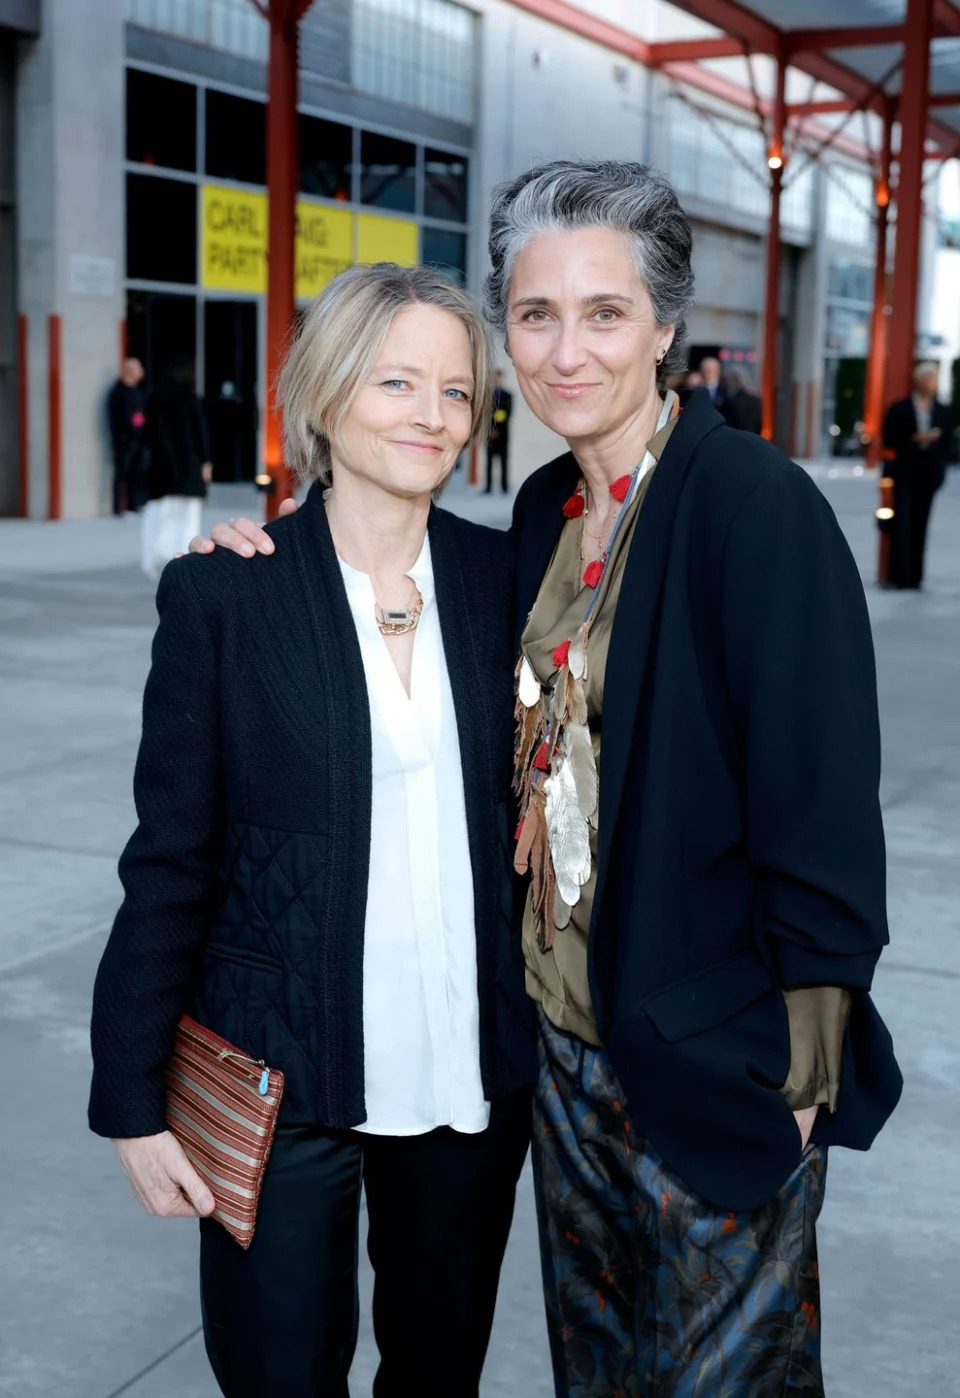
(588,26)
(816,40)
(771,323)
(54,411)
(913,130)
(283,179)
(692,50)
(877,359)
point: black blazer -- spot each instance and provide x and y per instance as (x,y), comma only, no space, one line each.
(245,881)
(914,463)
(740,842)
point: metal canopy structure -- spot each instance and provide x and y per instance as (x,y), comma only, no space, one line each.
(897,59)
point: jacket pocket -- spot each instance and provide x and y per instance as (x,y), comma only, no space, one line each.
(240,956)
(705,1000)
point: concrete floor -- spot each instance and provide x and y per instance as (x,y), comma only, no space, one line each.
(100,1300)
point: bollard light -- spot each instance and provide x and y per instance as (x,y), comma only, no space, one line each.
(265,483)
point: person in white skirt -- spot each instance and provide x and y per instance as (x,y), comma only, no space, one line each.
(180,468)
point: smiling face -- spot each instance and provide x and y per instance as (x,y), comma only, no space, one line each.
(582,334)
(411,417)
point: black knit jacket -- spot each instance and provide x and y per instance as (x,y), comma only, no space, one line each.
(246,879)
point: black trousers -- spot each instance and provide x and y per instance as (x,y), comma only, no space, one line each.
(280,1321)
(913,493)
(500,448)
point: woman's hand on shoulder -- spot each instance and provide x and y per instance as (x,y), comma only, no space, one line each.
(244,536)
(162,1178)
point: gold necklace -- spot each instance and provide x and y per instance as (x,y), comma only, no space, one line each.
(398,621)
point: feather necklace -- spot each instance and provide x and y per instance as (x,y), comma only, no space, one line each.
(556,780)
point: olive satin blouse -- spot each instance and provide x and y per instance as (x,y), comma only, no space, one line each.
(556,978)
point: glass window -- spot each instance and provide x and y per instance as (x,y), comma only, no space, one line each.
(235,26)
(387,172)
(447,252)
(445,186)
(161,229)
(326,158)
(161,121)
(419,52)
(236,138)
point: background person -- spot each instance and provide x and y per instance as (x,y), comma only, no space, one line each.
(179,467)
(713,382)
(126,414)
(321,872)
(498,442)
(742,408)
(918,430)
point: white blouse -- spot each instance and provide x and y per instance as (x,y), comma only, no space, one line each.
(421,1013)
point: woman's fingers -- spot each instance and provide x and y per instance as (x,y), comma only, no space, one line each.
(200,544)
(162,1178)
(288,506)
(243,536)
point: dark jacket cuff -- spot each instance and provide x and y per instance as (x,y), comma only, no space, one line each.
(122,1121)
(802,966)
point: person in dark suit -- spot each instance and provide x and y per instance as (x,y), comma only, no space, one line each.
(713,381)
(742,408)
(321,871)
(498,443)
(918,430)
(696,758)
(126,414)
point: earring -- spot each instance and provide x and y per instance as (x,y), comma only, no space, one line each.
(660,357)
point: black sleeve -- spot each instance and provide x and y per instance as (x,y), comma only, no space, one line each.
(897,429)
(802,681)
(168,871)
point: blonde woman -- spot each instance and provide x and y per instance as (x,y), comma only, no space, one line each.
(321,872)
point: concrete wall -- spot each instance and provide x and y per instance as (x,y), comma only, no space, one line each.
(71,235)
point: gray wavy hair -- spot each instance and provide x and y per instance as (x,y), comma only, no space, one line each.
(337,346)
(635,199)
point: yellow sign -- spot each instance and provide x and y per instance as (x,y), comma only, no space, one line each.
(233,240)
(324,247)
(387,240)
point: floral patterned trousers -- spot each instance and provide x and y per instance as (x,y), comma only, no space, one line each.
(649,1290)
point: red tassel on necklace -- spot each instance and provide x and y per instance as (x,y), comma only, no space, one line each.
(620,488)
(542,759)
(593,573)
(574,507)
(561,655)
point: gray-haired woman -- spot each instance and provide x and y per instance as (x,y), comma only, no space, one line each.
(696,762)
(321,872)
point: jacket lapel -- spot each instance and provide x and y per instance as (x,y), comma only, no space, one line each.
(462,652)
(345,716)
(536,535)
(638,609)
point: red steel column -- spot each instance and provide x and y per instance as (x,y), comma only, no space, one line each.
(54,401)
(771,325)
(283,177)
(914,102)
(876,363)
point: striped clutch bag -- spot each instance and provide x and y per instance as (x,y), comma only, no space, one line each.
(222,1107)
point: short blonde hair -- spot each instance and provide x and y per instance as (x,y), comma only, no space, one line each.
(338,343)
